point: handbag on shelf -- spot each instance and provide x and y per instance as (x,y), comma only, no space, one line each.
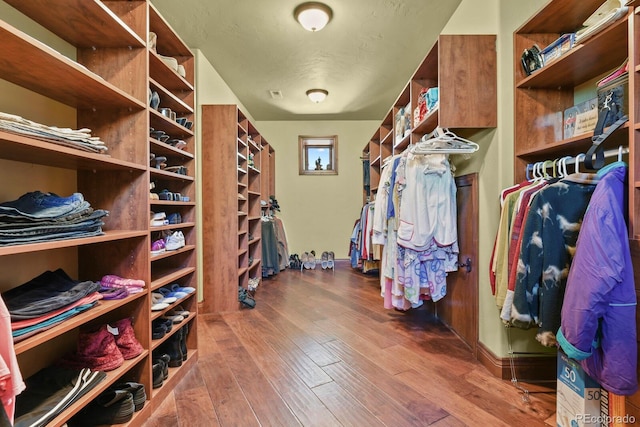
(613,99)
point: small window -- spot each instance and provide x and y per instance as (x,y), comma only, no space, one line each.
(318,155)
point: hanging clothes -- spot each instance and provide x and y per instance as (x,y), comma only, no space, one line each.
(598,325)
(415,220)
(548,244)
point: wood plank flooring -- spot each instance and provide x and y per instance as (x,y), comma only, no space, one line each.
(320,350)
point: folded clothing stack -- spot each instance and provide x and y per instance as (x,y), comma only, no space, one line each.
(47,300)
(37,217)
(74,138)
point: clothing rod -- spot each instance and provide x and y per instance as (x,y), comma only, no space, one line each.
(607,154)
(572,159)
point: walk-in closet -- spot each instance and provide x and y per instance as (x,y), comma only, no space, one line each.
(367,213)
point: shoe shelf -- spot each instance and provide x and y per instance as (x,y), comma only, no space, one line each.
(178,226)
(170,203)
(170,100)
(112,377)
(163,174)
(35,66)
(165,76)
(171,127)
(107,83)
(161,148)
(179,266)
(162,277)
(168,254)
(102,308)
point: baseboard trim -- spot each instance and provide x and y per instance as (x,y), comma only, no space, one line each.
(532,368)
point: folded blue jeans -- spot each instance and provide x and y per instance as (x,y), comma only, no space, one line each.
(38,205)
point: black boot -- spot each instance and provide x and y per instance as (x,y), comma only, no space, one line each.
(172,348)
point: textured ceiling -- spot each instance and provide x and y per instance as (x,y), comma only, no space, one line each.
(363,57)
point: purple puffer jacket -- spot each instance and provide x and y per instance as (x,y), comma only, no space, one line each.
(598,325)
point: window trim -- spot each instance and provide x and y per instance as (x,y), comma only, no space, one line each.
(305,141)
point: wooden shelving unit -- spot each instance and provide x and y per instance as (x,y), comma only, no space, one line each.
(463,68)
(550,90)
(238,174)
(108,86)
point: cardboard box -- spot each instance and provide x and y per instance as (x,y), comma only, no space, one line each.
(578,395)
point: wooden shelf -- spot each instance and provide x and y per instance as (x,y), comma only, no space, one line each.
(169,100)
(162,277)
(583,62)
(180,226)
(82,23)
(108,236)
(31,64)
(103,307)
(165,76)
(169,175)
(164,149)
(168,254)
(25,149)
(171,127)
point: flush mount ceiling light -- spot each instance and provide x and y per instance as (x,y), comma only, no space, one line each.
(313,16)
(317,95)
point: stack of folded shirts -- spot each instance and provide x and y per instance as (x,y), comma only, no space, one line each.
(37,217)
(46,301)
(75,138)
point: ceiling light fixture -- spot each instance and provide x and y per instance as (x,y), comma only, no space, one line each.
(317,95)
(313,16)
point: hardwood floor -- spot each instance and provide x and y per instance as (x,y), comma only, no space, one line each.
(320,350)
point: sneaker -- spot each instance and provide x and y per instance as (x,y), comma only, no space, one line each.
(175,241)
(158,219)
(158,247)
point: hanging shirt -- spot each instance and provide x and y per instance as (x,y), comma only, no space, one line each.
(428,205)
(599,312)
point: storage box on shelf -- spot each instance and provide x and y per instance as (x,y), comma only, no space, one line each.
(463,69)
(541,98)
(234,156)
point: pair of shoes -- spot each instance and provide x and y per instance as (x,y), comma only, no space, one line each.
(105,349)
(158,246)
(253,283)
(294,262)
(245,298)
(160,368)
(113,406)
(174,241)
(160,327)
(309,260)
(176,347)
(137,390)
